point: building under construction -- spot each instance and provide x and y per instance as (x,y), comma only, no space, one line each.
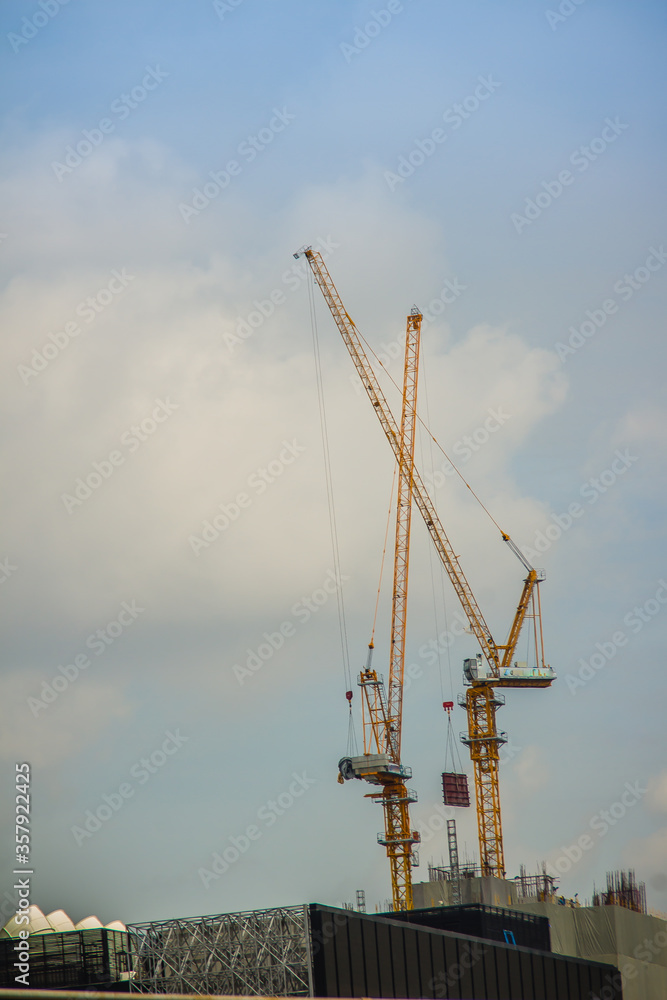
(497,944)
(616,929)
(321,951)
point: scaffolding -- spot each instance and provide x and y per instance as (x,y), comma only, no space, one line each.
(453,844)
(541,887)
(622,890)
(255,953)
(438,873)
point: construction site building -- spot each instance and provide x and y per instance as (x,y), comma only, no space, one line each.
(322,951)
(619,934)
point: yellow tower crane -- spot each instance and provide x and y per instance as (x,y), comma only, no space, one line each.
(383,713)
(493,667)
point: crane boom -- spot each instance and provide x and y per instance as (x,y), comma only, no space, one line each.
(443,546)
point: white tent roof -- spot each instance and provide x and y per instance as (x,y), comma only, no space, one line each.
(56,921)
(60,921)
(37,924)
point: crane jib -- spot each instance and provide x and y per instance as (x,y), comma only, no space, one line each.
(390,427)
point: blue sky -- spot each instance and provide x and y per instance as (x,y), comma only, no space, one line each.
(171,288)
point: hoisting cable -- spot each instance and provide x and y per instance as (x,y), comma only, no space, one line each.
(371,644)
(352,748)
(436,621)
(352,741)
(342,625)
(506,538)
(424,380)
(451,744)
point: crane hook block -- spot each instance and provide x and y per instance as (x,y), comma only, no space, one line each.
(448,705)
(348,695)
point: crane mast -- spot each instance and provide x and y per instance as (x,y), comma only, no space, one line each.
(383,713)
(481,702)
(399,607)
(396,797)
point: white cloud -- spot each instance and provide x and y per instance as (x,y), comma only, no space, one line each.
(649,856)
(161,337)
(531,769)
(656,797)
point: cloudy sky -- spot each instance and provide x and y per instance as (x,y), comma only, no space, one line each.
(165,522)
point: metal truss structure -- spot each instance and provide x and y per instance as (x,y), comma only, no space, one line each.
(256,953)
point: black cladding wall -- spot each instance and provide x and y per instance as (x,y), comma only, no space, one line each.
(478,920)
(359,955)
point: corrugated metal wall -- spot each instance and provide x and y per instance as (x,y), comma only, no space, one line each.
(365,956)
(489,922)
